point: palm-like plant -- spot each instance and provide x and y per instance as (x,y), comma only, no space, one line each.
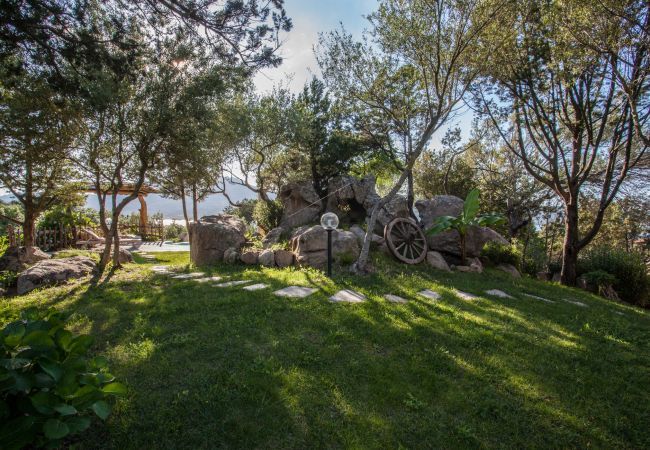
(468,218)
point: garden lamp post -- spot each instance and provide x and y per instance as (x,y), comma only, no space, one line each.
(329,221)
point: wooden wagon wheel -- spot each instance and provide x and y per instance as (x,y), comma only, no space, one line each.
(406,240)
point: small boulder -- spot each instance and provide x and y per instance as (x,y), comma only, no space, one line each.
(267,258)
(436,261)
(509,269)
(54,271)
(283,258)
(17,259)
(473,265)
(249,257)
(231,255)
(361,235)
(124,256)
(544,276)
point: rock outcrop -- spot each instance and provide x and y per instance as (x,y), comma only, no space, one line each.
(301,205)
(509,269)
(54,271)
(17,259)
(309,244)
(447,242)
(267,258)
(436,261)
(273,237)
(249,257)
(211,236)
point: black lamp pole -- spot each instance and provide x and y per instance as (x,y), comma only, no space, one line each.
(329,252)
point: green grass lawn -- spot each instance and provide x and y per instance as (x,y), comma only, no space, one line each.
(226,368)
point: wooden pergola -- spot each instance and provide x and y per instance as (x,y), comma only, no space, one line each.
(129,189)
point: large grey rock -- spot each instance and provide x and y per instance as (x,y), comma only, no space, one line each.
(267,258)
(448,241)
(310,246)
(436,261)
(353,200)
(361,235)
(53,271)
(213,235)
(17,259)
(300,203)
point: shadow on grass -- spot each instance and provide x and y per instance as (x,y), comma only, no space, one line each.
(209,367)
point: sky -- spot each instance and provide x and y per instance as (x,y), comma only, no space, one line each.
(309,18)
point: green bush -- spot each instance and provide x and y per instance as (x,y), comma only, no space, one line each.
(49,390)
(267,215)
(61,215)
(600,278)
(4,244)
(501,254)
(629,269)
(173,231)
(244,211)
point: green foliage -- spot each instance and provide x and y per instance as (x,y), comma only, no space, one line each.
(466,219)
(267,215)
(632,281)
(173,231)
(12,211)
(244,210)
(600,278)
(4,243)
(498,253)
(48,388)
(62,215)
(7,278)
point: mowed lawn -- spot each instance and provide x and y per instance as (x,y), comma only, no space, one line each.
(210,367)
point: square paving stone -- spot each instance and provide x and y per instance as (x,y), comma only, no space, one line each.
(466,295)
(541,299)
(498,293)
(186,276)
(256,287)
(576,302)
(295,291)
(232,283)
(395,298)
(206,279)
(347,296)
(429,294)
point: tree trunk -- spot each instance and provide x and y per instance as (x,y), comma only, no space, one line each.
(570,248)
(185,215)
(116,251)
(29,228)
(195,205)
(410,194)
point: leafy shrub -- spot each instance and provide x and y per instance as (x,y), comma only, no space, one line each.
(4,244)
(61,215)
(49,390)
(268,214)
(173,231)
(244,211)
(632,280)
(7,278)
(497,253)
(600,278)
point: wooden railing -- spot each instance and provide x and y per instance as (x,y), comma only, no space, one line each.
(50,239)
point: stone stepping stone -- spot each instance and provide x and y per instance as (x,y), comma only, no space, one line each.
(429,294)
(498,293)
(255,287)
(619,313)
(295,292)
(542,299)
(232,283)
(395,298)
(206,279)
(187,276)
(466,295)
(161,269)
(347,296)
(576,302)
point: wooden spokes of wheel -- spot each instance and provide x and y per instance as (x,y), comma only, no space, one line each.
(405,240)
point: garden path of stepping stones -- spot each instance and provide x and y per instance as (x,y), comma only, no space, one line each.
(295,292)
(232,283)
(539,298)
(395,298)
(256,287)
(498,293)
(575,302)
(347,296)
(206,279)
(429,294)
